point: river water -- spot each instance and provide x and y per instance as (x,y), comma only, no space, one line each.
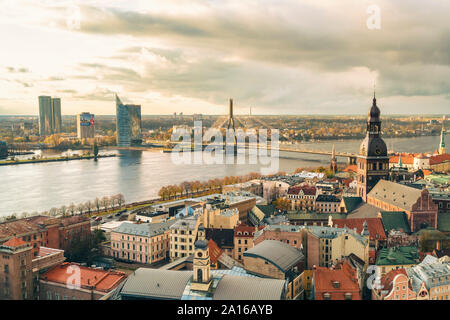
(138,175)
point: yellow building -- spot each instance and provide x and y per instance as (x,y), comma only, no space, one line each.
(183,234)
(328,245)
(217,218)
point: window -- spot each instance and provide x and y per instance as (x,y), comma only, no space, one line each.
(49,295)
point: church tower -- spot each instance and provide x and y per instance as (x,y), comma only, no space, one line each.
(373,161)
(442,142)
(201,279)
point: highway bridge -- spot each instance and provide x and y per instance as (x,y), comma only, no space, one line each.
(351,157)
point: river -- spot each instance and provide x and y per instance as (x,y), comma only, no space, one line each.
(138,175)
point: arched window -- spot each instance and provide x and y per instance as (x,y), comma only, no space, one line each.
(199,275)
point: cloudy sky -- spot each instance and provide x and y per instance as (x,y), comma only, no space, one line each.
(277,56)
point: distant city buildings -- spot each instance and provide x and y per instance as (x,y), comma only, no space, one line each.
(85,125)
(128,124)
(49,115)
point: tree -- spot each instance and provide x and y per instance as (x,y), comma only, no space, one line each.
(120,199)
(72,208)
(88,206)
(281,204)
(80,208)
(63,210)
(105,202)
(97,204)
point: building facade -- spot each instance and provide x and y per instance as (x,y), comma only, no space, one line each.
(183,234)
(49,115)
(16,276)
(128,124)
(85,125)
(143,243)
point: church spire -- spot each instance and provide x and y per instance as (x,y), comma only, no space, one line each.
(442,142)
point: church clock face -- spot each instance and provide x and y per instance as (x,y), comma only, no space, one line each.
(377,151)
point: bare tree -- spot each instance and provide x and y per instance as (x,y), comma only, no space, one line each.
(72,208)
(120,200)
(105,202)
(88,206)
(97,204)
(80,208)
(63,210)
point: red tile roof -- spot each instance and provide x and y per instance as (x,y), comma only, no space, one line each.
(374,225)
(44,251)
(407,158)
(99,279)
(214,251)
(307,190)
(242,228)
(324,279)
(436,159)
(14,242)
(17,228)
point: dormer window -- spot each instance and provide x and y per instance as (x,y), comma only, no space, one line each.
(348,296)
(326,296)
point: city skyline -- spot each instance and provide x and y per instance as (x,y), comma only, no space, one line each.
(190,57)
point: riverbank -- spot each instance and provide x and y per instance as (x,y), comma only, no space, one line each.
(55,159)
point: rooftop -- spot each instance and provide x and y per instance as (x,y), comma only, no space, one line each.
(404,255)
(97,279)
(395,220)
(374,225)
(278,253)
(144,229)
(337,281)
(395,194)
(327,198)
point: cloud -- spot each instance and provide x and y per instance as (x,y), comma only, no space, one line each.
(281,56)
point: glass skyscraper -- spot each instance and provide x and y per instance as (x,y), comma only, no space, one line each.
(128,124)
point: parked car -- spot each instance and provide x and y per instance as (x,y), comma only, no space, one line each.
(98,219)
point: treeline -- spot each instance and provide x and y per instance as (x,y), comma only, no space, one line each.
(187,188)
(104,203)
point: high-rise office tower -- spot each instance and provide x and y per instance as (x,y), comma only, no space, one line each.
(128,124)
(45,115)
(85,125)
(56,115)
(49,115)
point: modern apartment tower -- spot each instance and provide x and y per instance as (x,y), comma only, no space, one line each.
(49,115)
(56,115)
(85,125)
(128,124)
